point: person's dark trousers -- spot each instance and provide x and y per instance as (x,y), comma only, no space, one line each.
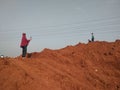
(24,51)
(92,39)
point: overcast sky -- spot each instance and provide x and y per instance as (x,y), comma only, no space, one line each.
(55,24)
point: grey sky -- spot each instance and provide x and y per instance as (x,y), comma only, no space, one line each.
(56,23)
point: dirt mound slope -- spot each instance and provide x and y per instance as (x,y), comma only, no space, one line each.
(92,66)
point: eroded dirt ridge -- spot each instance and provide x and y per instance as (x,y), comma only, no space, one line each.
(92,66)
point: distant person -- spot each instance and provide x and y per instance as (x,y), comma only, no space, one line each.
(92,38)
(24,44)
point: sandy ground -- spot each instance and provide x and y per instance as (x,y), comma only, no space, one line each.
(92,66)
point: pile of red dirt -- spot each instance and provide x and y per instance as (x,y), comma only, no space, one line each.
(92,66)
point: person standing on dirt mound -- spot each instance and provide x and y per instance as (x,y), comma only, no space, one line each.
(92,38)
(24,44)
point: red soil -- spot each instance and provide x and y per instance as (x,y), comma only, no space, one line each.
(92,66)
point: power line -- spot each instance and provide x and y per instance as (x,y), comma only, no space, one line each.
(74,30)
(68,25)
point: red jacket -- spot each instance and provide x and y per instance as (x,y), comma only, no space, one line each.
(24,41)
